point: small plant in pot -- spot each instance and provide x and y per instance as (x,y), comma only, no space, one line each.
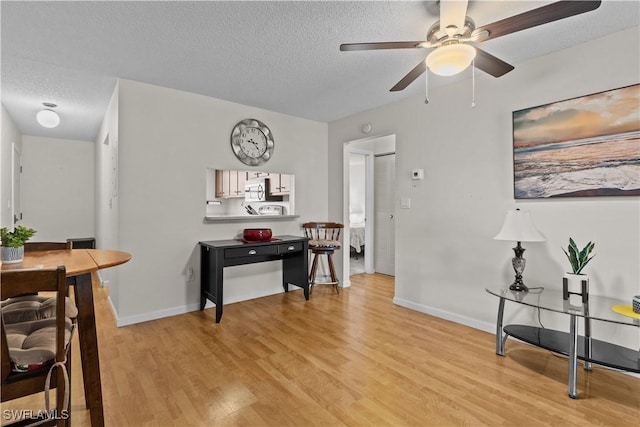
(577,282)
(579,258)
(12,249)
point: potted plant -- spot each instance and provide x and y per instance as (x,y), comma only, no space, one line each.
(576,281)
(12,249)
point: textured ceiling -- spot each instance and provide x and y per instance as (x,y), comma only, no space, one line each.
(280,56)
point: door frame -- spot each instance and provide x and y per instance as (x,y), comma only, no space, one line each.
(369,237)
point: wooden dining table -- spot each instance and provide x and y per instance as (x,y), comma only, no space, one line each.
(81,265)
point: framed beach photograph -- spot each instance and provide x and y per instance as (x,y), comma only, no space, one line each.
(580,147)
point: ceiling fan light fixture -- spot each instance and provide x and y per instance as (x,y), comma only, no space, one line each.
(450,59)
(47,117)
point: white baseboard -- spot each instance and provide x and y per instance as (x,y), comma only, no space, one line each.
(113,309)
(454,317)
(152,315)
(173,311)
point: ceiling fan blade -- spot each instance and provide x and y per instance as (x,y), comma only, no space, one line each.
(490,64)
(533,18)
(452,13)
(410,77)
(381,45)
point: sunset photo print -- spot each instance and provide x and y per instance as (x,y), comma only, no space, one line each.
(580,147)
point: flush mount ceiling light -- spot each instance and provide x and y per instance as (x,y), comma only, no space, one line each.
(47,117)
(450,59)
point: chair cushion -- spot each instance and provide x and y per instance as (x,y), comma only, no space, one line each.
(33,344)
(322,243)
(34,307)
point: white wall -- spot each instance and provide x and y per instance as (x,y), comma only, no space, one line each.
(106,196)
(10,135)
(57,187)
(167,139)
(445,254)
(106,199)
(57,184)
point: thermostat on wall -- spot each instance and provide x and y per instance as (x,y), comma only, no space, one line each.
(417,174)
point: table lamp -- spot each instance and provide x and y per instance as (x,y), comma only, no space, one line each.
(518,226)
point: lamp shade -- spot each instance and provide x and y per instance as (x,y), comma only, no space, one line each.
(48,118)
(450,59)
(518,227)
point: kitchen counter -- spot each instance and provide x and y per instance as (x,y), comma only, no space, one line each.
(249,218)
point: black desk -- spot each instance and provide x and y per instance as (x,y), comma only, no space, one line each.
(217,254)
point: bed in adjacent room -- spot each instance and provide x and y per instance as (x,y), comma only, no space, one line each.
(356,235)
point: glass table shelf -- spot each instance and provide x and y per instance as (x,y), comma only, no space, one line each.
(599,307)
(571,344)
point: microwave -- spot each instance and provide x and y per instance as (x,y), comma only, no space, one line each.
(257,190)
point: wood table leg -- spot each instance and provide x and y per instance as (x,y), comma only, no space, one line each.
(88,339)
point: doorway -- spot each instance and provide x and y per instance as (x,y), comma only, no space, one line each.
(357,210)
(372,161)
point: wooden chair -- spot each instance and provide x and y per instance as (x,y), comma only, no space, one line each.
(324,239)
(46,246)
(31,349)
(33,306)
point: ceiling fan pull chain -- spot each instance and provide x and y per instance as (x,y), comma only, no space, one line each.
(426,86)
(473,83)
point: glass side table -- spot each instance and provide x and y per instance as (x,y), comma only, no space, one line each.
(571,344)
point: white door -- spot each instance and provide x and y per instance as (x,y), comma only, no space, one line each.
(384,184)
(16,170)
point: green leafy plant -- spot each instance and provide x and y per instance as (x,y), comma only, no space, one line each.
(17,237)
(579,258)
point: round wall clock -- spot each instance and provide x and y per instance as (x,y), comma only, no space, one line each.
(252,142)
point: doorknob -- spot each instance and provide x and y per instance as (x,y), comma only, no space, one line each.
(390,216)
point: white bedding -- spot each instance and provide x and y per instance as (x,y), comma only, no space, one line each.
(356,236)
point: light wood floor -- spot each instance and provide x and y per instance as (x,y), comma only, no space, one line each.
(351,359)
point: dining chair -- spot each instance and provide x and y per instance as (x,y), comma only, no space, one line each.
(36,354)
(33,306)
(324,239)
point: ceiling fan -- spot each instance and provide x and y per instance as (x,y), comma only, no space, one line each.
(454,38)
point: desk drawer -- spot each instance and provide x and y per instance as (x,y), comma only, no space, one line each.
(251,251)
(290,247)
